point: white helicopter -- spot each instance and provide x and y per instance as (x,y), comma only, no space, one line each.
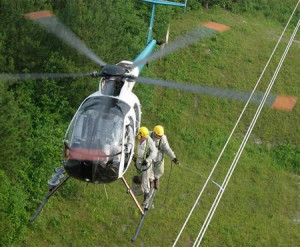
(99,142)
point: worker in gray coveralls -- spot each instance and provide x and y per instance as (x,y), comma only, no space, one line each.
(161,142)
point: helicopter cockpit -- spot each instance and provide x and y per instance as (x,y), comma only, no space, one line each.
(94,141)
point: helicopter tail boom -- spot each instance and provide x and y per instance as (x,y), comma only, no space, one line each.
(144,54)
(160,2)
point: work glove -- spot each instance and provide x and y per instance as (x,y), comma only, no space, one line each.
(176,161)
(144,163)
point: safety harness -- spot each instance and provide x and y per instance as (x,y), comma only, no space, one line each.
(158,147)
(152,136)
(145,156)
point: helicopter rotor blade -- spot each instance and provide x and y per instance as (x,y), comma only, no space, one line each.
(279,102)
(188,39)
(36,76)
(47,20)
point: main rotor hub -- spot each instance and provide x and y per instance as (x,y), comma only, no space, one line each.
(113,70)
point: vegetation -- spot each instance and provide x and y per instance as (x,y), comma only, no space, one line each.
(260,206)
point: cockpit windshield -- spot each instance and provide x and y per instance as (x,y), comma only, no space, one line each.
(98,125)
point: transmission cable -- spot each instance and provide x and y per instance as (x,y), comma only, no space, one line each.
(242,146)
(233,130)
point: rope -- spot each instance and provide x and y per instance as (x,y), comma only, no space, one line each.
(188,169)
(242,146)
(233,130)
(196,173)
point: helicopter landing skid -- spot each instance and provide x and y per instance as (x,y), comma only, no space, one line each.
(52,190)
(147,207)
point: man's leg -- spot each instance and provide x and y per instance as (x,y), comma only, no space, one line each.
(147,176)
(158,170)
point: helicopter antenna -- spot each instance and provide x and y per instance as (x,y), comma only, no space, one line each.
(47,20)
(105,192)
(166,41)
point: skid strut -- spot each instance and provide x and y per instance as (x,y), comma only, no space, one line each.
(132,195)
(54,184)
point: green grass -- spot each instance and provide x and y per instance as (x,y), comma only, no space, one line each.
(261,202)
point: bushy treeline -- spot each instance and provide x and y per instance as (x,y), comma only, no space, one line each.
(273,9)
(35,114)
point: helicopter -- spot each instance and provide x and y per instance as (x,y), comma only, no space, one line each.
(98,146)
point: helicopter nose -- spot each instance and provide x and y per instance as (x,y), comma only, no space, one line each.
(92,165)
(91,171)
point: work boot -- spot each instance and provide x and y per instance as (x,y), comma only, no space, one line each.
(156,183)
(146,199)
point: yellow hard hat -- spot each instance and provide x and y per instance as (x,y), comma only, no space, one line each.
(143,132)
(159,130)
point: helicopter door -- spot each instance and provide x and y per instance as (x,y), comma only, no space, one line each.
(128,141)
(137,111)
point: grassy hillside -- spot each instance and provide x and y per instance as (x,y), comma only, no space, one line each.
(261,204)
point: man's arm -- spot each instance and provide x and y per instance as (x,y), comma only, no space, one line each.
(165,147)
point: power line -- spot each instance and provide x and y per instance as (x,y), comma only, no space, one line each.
(233,130)
(242,146)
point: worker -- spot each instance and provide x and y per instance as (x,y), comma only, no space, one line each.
(162,145)
(146,152)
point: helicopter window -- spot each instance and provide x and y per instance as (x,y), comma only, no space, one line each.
(137,123)
(98,125)
(129,141)
(129,135)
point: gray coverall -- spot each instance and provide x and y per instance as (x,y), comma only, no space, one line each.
(163,147)
(146,151)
